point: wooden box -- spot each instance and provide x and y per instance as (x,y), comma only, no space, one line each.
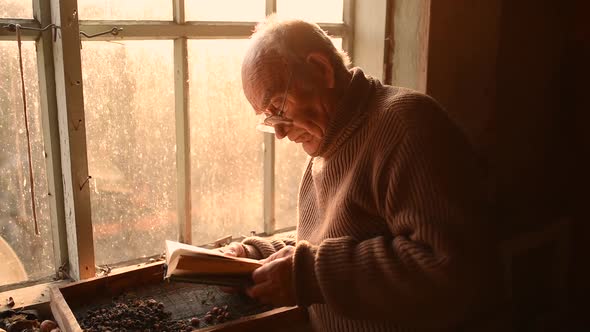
(70,303)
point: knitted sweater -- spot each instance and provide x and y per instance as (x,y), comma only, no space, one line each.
(392,234)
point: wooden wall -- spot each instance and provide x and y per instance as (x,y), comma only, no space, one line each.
(575,89)
(514,76)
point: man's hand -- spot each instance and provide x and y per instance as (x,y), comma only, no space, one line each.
(234,249)
(273,281)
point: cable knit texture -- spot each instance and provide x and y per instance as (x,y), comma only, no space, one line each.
(392,234)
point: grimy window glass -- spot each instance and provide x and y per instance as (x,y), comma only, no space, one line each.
(129,107)
(24,255)
(290,163)
(16,9)
(218,10)
(324,11)
(125,9)
(131,131)
(226,149)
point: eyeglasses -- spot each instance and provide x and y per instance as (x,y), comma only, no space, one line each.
(267,123)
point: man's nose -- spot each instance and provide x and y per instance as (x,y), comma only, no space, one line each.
(280,131)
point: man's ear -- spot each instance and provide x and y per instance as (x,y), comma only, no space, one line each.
(322,67)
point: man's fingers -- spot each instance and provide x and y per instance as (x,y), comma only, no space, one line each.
(261,274)
(233,249)
(230,252)
(260,290)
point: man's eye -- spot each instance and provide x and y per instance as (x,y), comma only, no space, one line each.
(273,109)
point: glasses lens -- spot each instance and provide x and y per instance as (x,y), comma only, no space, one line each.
(262,126)
(267,123)
(277,120)
(265,129)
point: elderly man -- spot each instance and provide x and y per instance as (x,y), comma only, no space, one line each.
(392,233)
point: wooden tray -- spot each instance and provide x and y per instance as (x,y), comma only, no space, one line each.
(71,302)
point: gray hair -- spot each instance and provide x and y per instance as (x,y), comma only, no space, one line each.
(293,40)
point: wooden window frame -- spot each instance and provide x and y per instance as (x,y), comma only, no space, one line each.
(63,122)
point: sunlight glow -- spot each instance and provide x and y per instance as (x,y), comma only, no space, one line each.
(125,10)
(324,11)
(225,10)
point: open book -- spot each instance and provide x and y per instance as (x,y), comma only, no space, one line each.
(188,263)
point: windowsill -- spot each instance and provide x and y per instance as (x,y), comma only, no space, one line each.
(39,294)
(29,296)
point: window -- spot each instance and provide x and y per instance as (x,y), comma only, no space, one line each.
(325,11)
(129,108)
(142,131)
(31,254)
(125,10)
(226,154)
(242,10)
(16,9)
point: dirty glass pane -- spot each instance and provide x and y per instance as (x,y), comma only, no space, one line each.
(225,10)
(24,255)
(325,11)
(290,162)
(226,149)
(129,107)
(16,9)
(125,10)
(337,43)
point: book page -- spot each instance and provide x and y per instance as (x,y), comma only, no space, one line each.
(176,249)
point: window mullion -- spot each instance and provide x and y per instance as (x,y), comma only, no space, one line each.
(269,196)
(348,31)
(271,7)
(369,36)
(269,184)
(183,149)
(72,133)
(49,120)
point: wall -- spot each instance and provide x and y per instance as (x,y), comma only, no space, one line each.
(512,75)
(462,50)
(497,68)
(531,152)
(575,89)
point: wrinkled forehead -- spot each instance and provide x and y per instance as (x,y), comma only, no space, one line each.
(263,77)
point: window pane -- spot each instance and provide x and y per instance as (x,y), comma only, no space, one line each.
(29,256)
(129,106)
(125,10)
(290,162)
(226,149)
(337,43)
(225,10)
(16,9)
(325,11)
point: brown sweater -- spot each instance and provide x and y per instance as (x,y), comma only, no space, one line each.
(392,234)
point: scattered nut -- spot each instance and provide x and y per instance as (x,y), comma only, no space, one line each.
(10,302)
(48,326)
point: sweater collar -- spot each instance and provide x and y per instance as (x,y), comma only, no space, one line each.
(348,114)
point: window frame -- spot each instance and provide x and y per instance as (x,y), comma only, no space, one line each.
(62,114)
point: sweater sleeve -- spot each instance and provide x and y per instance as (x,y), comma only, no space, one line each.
(436,263)
(260,248)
